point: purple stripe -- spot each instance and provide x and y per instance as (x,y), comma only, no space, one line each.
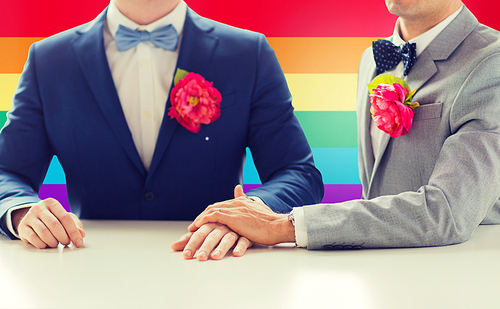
(341,193)
(57,192)
(333,193)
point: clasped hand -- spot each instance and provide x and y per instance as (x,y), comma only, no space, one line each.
(239,221)
(46,224)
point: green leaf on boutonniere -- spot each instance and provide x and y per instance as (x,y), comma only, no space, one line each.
(388,79)
(409,97)
(179,74)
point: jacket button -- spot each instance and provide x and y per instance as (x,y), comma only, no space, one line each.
(149,196)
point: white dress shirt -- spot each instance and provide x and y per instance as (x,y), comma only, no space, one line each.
(143,76)
(422,42)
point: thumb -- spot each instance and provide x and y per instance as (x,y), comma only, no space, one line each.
(238,191)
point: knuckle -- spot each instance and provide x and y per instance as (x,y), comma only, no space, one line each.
(65,217)
(27,234)
(52,224)
(199,235)
(231,236)
(44,232)
(74,234)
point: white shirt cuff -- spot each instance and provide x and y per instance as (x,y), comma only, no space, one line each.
(8,216)
(300,227)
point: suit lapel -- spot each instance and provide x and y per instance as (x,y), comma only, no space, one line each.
(91,55)
(365,122)
(197,48)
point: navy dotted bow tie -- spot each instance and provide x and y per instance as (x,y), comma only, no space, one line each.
(388,55)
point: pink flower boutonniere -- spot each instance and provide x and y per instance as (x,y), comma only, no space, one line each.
(391,106)
(194,101)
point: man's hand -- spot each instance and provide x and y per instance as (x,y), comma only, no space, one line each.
(212,239)
(248,218)
(46,224)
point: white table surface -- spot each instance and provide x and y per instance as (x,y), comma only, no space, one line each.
(129,264)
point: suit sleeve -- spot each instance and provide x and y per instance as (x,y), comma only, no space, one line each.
(279,147)
(25,153)
(463,189)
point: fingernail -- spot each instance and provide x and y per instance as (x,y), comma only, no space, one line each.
(202,255)
(237,250)
(187,253)
(216,254)
(79,243)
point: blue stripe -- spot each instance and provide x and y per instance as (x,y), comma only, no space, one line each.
(55,174)
(337,165)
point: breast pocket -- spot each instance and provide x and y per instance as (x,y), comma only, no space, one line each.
(428,111)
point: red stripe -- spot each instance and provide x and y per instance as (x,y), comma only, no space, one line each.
(276,18)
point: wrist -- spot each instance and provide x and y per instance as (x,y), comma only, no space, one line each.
(286,230)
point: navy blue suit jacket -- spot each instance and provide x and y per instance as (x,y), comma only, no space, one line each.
(66,105)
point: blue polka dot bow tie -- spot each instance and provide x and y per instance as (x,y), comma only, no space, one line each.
(388,55)
(165,37)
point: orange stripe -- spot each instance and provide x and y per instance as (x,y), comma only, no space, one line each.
(320,55)
(296,55)
(14,52)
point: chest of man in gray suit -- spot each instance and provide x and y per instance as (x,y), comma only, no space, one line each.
(430,187)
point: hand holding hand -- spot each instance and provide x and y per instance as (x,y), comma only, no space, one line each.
(214,239)
(248,218)
(46,224)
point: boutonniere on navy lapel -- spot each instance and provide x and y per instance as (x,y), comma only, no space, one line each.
(194,101)
(391,106)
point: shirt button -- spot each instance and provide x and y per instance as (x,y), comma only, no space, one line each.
(149,196)
(147,115)
(144,63)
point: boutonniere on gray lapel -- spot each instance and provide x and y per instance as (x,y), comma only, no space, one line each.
(194,101)
(391,106)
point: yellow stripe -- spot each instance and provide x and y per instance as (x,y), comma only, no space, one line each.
(323,92)
(311,92)
(8,84)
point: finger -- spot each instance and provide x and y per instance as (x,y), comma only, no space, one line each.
(210,209)
(196,240)
(211,241)
(242,246)
(209,216)
(181,243)
(55,227)
(43,233)
(192,227)
(226,243)
(217,216)
(29,236)
(68,223)
(79,224)
(238,191)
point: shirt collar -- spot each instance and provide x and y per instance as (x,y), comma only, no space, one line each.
(177,18)
(426,38)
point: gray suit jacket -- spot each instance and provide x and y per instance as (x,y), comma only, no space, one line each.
(436,184)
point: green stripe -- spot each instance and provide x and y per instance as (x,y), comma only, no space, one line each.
(329,129)
(3,118)
(323,129)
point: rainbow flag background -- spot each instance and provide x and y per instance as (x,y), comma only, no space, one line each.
(318,44)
